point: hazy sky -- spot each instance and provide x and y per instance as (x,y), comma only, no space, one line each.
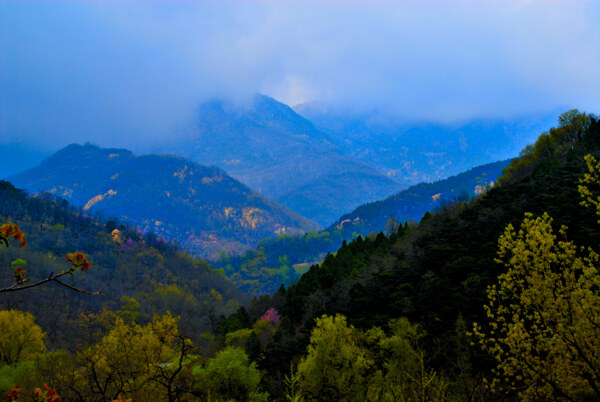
(130,73)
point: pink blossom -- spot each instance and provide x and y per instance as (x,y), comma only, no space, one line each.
(271,315)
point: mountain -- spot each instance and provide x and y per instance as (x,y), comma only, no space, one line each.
(281,260)
(130,268)
(282,155)
(202,208)
(413,153)
(412,203)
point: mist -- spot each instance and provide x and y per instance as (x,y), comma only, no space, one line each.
(131,74)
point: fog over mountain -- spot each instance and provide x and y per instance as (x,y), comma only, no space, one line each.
(130,74)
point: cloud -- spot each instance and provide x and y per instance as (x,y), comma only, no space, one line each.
(130,74)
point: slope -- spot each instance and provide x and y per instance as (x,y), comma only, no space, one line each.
(274,150)
(281,260)
(412,203)
(200,207)
(125,262)
(436,273)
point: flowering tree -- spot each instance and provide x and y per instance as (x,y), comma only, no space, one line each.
(10,232)
(271,315)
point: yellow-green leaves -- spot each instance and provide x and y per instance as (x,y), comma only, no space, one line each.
(345,363)
(20,337)
(589,189)
(544,315)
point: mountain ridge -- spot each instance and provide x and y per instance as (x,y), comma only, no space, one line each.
(277,152)
(201,207)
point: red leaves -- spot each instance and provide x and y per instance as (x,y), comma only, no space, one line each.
(19,274)
(49,395)
(10,231)
(122,400)
(39,395)
(13,393)
(79,261)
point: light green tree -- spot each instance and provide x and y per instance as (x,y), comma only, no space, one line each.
(229,376)
(20,337)
(336,367)
(544,312)
(344,363)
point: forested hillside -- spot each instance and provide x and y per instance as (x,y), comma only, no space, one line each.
(410,204)
(132,269)
(200,207)
(282,260)
(437,275)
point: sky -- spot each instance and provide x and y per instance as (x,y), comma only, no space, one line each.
(130,73)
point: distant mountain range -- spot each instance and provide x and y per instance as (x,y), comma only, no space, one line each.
(424,152)
(264,268)
(283,156)
(411,204)
(201,207)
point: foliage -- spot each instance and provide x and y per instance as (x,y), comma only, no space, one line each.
(229,376)
(435,274)
(37,394)
(148,362)
(271,263)
(589,189)
(571,130)
(344,363)
(271,315)
(20,337)
(544,312)
(335,368)
(24,373)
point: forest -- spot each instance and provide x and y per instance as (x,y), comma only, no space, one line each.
(491,298)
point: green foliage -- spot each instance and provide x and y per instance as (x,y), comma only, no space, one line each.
(571,130)
(20,337)
(229,376)
(335,368)
(344,363)
(148,362)
(437,273)
(544,315)
(130,310)
(264,268)
(24,373)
